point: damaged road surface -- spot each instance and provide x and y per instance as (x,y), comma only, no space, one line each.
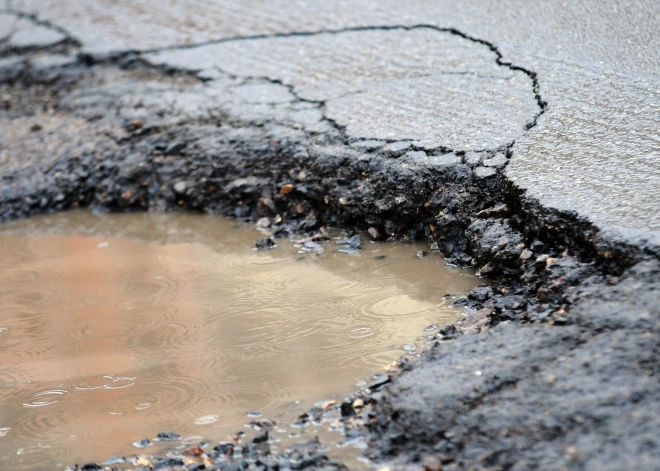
(518,138)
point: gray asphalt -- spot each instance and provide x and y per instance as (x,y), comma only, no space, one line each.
(595,150)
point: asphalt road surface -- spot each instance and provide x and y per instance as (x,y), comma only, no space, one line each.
(521,137)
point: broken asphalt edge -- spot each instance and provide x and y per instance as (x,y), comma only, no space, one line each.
(526,248)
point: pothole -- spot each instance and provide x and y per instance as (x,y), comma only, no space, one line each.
(215,330)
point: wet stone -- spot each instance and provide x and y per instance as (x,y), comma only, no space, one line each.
(311,246)
(180,187)
(194,450)
(265,244)
(165,463)
(379,382)
(262,424)
(114,460)
(346,409)
(167,437)
(354,240)
(448,333)
(462,301)
(350,245)
(375,233)
(90,467)
(238,466)
(223,449)
(481,293)
(431,463)
(143,443)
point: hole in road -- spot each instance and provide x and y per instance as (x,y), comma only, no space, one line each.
(114,327)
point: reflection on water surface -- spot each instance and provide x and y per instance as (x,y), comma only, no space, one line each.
(115,327)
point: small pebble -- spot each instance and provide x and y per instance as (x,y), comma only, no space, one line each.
(167,437)
(265,244)
(144,443)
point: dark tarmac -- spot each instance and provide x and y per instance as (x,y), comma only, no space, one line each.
(517,137)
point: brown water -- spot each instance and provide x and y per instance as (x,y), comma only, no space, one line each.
(115,327)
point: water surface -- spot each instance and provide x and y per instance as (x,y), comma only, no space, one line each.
(114,327)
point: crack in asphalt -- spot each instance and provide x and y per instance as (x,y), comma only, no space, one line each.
(341,130)
(321,104)
(68,40)
(499,59)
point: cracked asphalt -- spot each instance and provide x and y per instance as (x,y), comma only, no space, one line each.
(598,62)
(517,137)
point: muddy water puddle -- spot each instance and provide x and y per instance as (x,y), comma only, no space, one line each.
(114,327)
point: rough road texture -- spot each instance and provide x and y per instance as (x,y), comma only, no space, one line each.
(531,397)
(503,133)
(598,60)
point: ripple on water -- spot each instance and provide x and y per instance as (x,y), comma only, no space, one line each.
(147,293)
(360,333)
(46,398)
(117,326)
(12,380)
(130,405)
(48,424)
(395,270)
(118,382)
(197,333)
(24,298)
(397,307)
(206,419)
(44,455)
(172,394)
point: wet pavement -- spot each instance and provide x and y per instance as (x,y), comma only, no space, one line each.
(519,138)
